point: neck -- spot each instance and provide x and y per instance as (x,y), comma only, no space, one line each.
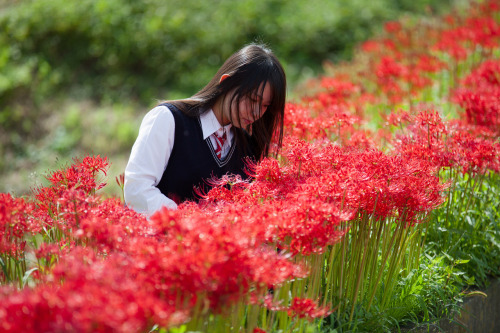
(219,114)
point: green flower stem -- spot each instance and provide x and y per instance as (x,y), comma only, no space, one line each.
(252,318)
(451,195)
(283,321)
(381,227)
(4,262)
(387,244)
(364,229)
(394,265)
(342,263)
(314,283)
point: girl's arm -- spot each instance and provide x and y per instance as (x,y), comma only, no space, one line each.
(148,160)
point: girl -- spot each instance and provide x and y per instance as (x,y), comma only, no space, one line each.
(183,143)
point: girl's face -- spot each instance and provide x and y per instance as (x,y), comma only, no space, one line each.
(250,108)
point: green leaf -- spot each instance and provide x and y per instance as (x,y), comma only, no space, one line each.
(27,274)
(180,329)
(463,261)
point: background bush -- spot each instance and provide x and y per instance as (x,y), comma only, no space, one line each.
(121,52)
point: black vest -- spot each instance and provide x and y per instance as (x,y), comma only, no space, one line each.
(193,160)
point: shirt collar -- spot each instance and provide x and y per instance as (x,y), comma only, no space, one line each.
(210,124)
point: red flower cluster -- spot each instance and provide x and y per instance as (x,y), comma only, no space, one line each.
(479,29)
(97,296)
(81,175)
(220,257)
(15,224)
(307,308)
(480,96)
(328,185)
(131,273)
(449,145)
(298,308)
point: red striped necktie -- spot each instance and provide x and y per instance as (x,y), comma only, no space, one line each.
(219,141)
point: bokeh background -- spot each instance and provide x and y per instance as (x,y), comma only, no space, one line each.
(77,77)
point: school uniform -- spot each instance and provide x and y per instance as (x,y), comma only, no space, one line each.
(173,153)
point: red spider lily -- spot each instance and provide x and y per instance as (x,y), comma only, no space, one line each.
(299,307)
(389,73)
(96,296)
(211,259)
(272,181)
(361,140)
(79,176)
(429,64)
(480,96)
(390,45)
(477,131)
(331,177)
(338,87)
(258,330)
(15,224)
(63,203)
(488,73)
(224,189)
(95,164)
(371,46)
(491,6)
(120,180)
(483,31)
(217,259)
(329,112)
(480,28)
(481,106)
(306,227)
(430,121)
(267,301)
(340,117)
(62,209)
(475,155)
(396,77)
(302,157)
(309,226)
(307,308)
(398,118)
(374,182)
(388,67)
(108,225)
(392,27)
(426,140)
(455,147)
(300,123)
(451,45)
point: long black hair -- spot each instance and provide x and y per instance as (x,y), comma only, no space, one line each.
(249,70)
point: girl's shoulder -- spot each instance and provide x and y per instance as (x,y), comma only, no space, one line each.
(163,109)
(159,114)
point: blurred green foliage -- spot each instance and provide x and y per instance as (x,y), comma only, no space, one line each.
(132,52)
(124,48)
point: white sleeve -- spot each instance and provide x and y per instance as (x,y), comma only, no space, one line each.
(148,160)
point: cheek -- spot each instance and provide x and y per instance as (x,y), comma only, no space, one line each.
(245,108)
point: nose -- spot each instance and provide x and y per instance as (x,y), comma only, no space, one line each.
(256,112)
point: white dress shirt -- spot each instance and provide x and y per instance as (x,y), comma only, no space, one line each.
(151,152)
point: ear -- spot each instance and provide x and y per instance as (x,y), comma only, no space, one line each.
(223,77)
